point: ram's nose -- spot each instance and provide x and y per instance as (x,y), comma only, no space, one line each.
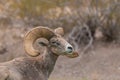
(69,49)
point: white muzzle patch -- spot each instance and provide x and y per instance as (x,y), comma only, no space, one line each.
(69,48)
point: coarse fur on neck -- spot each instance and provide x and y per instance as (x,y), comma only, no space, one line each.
(48,60)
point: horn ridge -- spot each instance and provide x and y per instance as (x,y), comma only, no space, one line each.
(33,35)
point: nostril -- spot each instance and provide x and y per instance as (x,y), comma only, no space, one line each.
(70,48)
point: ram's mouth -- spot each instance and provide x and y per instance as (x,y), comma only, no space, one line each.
(73,55)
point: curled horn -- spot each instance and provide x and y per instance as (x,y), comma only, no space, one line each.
(33,35)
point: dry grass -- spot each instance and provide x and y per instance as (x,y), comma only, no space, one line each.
(67,78)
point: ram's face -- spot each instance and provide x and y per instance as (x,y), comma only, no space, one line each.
(60,46)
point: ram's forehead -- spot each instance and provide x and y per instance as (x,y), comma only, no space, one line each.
(59,38)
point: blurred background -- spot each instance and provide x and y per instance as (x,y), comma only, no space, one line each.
(91,26)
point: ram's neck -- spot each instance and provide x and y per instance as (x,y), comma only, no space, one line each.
(47,62)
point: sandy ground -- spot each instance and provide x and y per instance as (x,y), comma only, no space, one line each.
(101,63)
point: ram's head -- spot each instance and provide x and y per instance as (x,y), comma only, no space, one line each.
(52,39)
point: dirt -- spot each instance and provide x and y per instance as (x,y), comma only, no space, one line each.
(99,63)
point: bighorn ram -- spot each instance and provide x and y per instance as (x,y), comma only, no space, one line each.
(38,67)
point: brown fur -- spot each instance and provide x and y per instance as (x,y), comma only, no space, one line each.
(34,68)
(41,66)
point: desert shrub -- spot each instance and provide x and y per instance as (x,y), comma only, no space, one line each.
(102,15)
(102,20)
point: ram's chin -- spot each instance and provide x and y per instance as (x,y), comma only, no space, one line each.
(73,55)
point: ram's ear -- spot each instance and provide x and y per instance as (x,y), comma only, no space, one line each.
(59,31)
(42,42)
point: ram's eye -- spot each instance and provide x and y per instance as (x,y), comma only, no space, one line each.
(55,43)
(58,43)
